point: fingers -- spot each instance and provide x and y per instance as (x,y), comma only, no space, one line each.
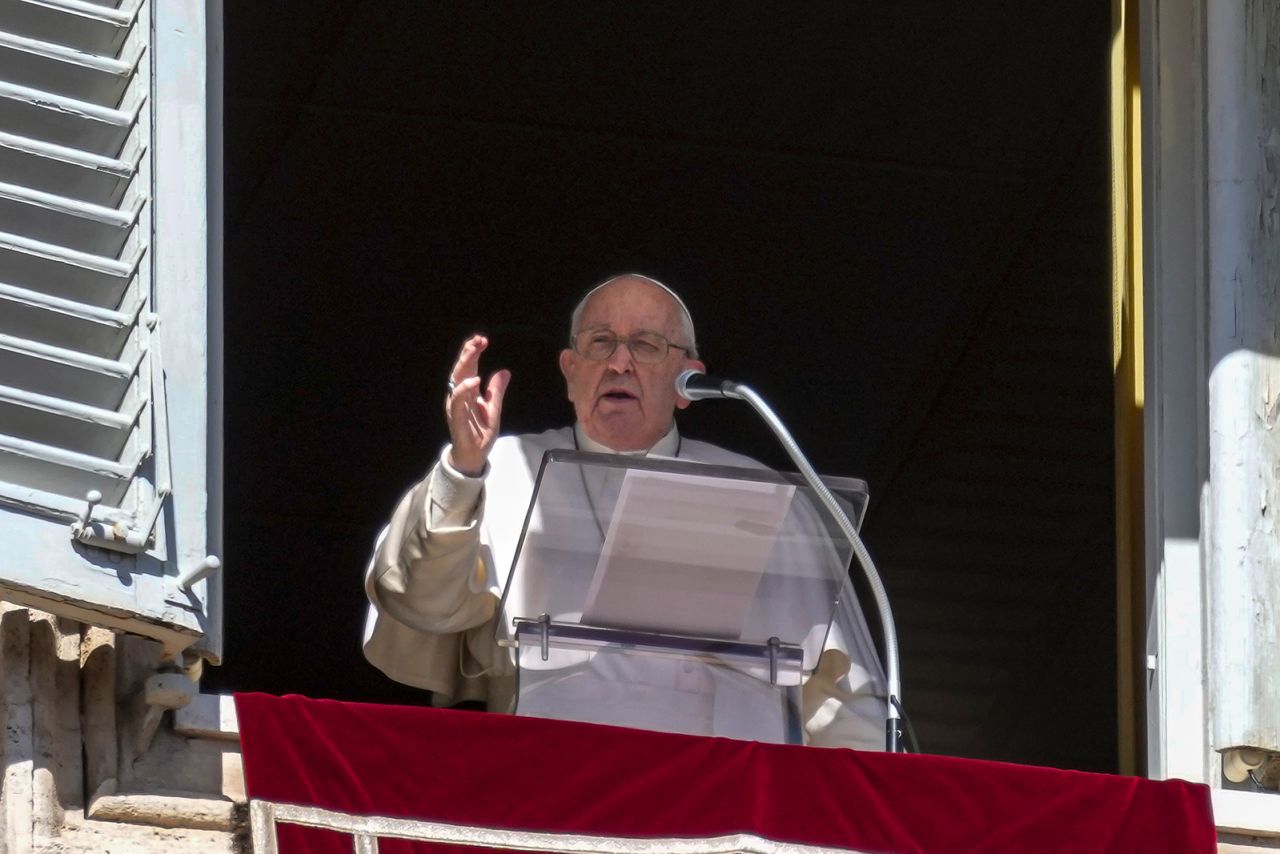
(468,363)
(473,410)
(459,402)
(467,435)
(483,410)
(494,394)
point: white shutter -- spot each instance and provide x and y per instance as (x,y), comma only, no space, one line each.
(104,301)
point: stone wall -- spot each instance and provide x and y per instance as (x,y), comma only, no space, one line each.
(89,765)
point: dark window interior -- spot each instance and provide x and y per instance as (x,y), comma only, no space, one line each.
(891,219)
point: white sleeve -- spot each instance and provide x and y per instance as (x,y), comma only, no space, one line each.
(425,571)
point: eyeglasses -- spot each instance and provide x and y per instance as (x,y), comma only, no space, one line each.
(648,348)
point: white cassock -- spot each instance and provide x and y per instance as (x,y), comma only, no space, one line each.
(440,567)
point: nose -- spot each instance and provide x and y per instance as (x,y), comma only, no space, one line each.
(621,360)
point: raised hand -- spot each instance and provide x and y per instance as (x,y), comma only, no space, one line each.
(474,416)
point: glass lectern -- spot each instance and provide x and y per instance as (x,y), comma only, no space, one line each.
(671,595)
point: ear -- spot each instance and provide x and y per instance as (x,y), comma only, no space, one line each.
(568,360)
(689,364)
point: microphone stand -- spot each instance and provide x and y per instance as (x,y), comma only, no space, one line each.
(893,730)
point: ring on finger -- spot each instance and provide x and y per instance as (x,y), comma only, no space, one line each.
(452,385)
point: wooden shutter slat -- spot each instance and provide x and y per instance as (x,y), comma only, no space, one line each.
(84,26)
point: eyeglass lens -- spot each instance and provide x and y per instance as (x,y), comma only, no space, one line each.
(600,344)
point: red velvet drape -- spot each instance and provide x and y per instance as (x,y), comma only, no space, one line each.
(498,771)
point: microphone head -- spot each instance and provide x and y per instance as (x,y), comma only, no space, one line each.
(695,385)
(682,383)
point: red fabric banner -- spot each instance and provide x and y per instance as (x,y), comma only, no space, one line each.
(505,773)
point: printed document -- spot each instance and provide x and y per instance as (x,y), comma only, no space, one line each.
(685,554)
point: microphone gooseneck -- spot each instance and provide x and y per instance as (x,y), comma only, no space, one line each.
(695,385)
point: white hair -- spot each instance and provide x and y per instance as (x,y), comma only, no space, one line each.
(686,320)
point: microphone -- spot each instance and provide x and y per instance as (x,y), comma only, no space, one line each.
(695,385)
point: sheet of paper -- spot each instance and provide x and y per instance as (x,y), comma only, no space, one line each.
(684,554)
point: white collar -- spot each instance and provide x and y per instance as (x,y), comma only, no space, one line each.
(667,446)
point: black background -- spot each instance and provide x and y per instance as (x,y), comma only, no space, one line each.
(869,208)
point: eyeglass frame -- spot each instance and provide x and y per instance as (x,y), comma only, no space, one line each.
(626,339)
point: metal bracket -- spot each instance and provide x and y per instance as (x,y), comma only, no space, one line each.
(116,536)
(544,626)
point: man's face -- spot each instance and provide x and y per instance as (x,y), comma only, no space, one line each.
(622,403)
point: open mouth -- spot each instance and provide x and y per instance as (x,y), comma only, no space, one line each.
(618,395)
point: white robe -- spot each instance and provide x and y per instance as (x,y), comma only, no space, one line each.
(440,566)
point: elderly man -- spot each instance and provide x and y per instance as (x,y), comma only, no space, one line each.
(439,567)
